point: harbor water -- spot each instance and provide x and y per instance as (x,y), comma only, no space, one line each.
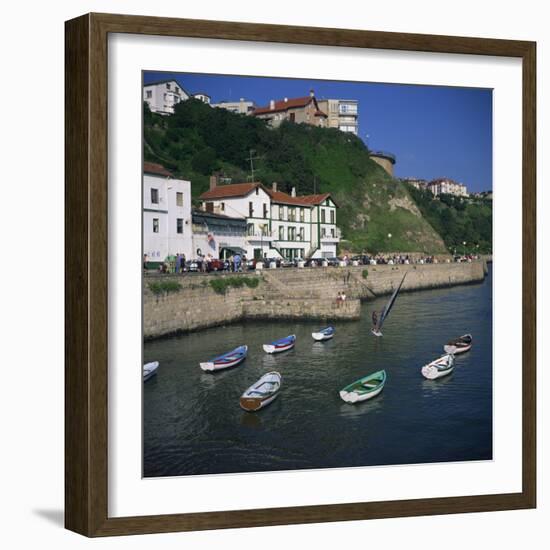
(192,422)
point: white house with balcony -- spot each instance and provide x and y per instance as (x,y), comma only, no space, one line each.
(278,224)
(163,96)
(167,225)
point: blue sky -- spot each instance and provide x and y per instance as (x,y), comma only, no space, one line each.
(434,131)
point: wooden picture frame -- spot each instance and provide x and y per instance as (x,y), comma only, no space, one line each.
(86,224)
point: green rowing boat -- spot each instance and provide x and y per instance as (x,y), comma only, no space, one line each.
(364,388)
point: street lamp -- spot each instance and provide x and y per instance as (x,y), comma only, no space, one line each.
(464,244)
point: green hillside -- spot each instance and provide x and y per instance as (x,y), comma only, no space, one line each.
(198,140)
(458,220)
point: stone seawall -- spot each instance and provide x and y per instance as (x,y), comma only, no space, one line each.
(288,294)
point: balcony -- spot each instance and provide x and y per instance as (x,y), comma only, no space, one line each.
(328,238)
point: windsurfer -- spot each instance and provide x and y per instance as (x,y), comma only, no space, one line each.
(374,319)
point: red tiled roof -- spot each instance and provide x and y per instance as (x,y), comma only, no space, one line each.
(156,169)
(283,105)
(285,198)
(231,190)
(315,199)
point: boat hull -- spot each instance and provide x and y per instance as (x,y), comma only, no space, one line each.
(455,350)
(252,404)
(320,337)
(353,397)
(152,369)
(222,364)
(278,348)
(432,373)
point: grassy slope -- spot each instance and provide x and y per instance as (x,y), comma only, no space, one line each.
(197,140)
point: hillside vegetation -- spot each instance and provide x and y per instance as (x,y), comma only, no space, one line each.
(458,220)
(198,140)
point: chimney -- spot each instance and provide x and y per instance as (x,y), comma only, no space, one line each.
(274,186)
(213,182)
(293,192)
(311,93)
(272,104)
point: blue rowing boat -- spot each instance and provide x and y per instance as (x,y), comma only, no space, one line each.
(229,359)
(323,334)
(284,344)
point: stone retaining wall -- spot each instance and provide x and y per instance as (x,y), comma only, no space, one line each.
(289,293)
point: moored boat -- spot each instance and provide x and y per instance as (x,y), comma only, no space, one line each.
(323,334)
(229,359)
(364,388)
(149,370)
(262,392)
(442,366)
(284,344)
(459,345)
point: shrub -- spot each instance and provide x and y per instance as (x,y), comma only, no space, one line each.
(221,285)
(164,287)
(365,273)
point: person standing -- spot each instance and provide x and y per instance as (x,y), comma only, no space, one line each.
(237,261)
(178,263)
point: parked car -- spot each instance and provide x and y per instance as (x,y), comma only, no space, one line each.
(217,265)
(285,262)
(333,262)
(193,265)
(362,259)
(314,262)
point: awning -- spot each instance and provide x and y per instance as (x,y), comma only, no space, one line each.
(235,249)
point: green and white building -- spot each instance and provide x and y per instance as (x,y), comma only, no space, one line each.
(278,224)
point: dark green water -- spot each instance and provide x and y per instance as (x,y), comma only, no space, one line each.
(193,423)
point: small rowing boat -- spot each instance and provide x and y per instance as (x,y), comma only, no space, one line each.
(323,334)
(149,370)
(229,359)
(284,344)
(439,368)
(262,392)
(459,345)
(364,388)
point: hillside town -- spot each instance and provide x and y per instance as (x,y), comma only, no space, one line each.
(248,219)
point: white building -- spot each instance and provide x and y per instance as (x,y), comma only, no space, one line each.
(218,235)
(163,96)
(243,106)
(205,98)
(447,186)
(167,224)
(342,114)
(278,224)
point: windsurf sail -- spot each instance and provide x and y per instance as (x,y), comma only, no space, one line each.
(387,308)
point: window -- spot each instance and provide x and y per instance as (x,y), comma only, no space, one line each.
(154,195)
(281,233)
(291,233)
(250,210)
(292,214)
(323,232)
(292,117)
(302,234)
(281,212)
(168,86)
(176,89)
(148,94)
(265,210)
(323,215)
(222,206)
(179,225)
(257,190)
(332,232)
(155,225)
(302,214)
(332,216)
(179,199)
